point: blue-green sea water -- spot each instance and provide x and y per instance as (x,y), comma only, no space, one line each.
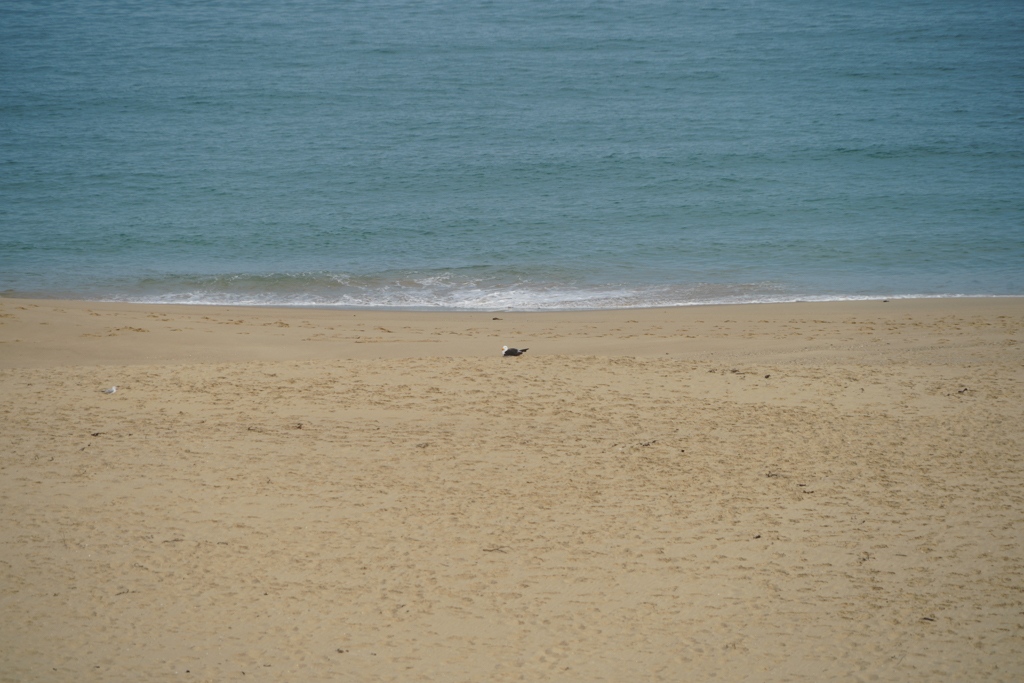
(523,154)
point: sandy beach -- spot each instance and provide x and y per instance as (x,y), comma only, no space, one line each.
(783,492)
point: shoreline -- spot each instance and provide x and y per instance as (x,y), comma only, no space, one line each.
(442,309)
(769,491)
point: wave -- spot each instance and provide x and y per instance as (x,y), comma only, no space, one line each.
(455,291)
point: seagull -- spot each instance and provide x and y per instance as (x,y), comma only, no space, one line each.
(506,351)
(110,390)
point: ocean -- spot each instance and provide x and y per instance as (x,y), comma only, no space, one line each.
(523,155)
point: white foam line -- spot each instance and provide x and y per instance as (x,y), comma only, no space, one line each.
(595,303)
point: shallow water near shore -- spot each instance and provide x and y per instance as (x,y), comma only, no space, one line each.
(510,155)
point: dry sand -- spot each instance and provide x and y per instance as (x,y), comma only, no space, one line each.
(794,492)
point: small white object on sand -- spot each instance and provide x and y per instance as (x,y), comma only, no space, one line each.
(110,390)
